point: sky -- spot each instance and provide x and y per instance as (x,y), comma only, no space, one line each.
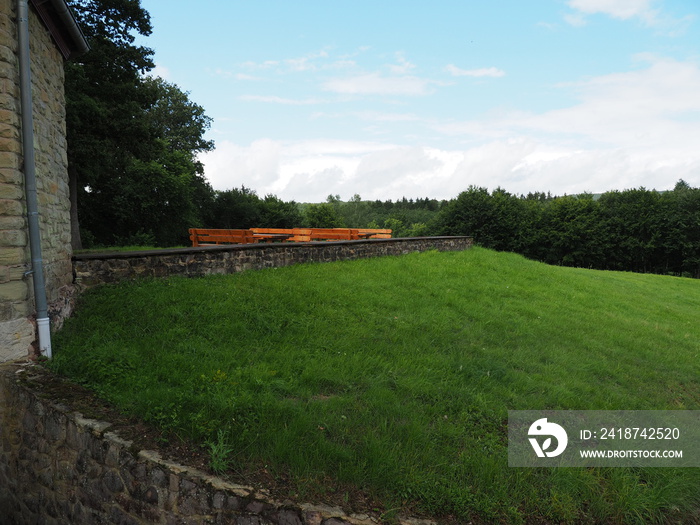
(408,98)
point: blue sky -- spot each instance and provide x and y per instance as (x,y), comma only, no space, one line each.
(396,98)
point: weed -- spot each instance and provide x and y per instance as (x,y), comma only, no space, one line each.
(220,452)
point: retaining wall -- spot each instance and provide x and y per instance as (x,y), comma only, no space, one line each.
(93,269)
(57,467)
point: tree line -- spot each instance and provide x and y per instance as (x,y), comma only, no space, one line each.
(636,230)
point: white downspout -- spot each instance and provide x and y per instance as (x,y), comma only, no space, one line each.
(42,317)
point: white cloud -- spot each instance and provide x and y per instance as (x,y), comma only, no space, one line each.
(267,64)
(231,165)
(643,10)
(280,100)
(647,109)
(403,67)
(483,72)
(622,9)
(311,62)
(372,116)
(243,76)
(631,129)
(575,19)
(305,63)
(375,116)
(160,71)
(376,84)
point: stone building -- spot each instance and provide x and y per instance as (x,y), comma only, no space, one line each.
(53,36)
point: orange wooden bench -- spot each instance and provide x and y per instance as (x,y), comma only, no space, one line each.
(205,237)
(375,233)
(294,234)
(334,234)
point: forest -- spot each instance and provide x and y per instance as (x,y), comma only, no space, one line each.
(636,230)
(135,178)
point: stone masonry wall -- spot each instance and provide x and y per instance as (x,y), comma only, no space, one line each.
(93,269)
(56,467)
(16,297)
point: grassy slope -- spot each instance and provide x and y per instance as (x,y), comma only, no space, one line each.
(396,374)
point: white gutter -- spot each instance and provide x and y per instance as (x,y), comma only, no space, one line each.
(42,317)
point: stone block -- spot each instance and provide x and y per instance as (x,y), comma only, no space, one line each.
(13,256)
(6,312)
(11,207)
(22,309)
(13,238)
(14,291)
(12,222)
(11,120)
(7,143)
(151,496)
(9,159)
(55,428)
(11,191)
(112,482)
(10,176)
(159,478)
(287,517)
(7,100)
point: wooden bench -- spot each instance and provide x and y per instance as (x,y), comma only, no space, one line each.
(206,237)
(293,234)
(334,234)
(375,233)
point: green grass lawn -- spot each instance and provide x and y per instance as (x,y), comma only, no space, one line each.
(394,375)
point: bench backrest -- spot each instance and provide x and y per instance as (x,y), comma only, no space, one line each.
(203,237)
(377,233)
(297,234)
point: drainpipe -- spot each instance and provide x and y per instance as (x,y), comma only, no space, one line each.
(42,316)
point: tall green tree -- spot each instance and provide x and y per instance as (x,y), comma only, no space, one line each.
(106,100)
(277,213)
(494,220)
(572,233)
(236,208)
(133,140)
(323,215)
(634,229)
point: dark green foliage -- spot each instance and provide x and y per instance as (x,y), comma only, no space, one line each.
(405,217)
(323,215)
(234,209)
(242,208)
(569,233)
(636,230)
(132,140)
(277,213)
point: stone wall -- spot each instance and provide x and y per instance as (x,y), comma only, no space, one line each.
(16,297)
(58,467)
(94,269)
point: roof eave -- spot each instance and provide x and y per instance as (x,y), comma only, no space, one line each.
(64,29)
